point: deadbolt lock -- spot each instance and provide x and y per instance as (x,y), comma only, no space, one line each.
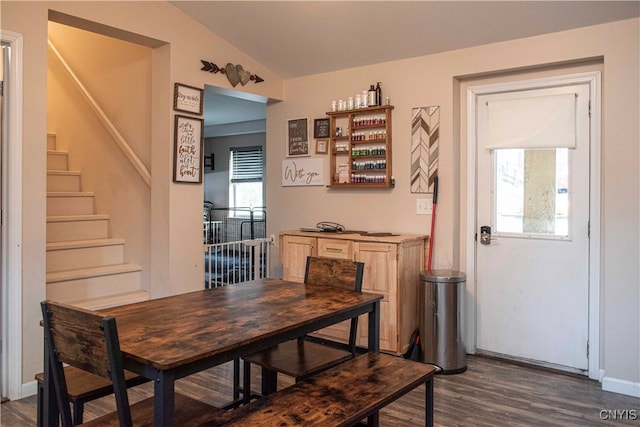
(485,235)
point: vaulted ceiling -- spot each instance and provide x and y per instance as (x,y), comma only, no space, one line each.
(297,38)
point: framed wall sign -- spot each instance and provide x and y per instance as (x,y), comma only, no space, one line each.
(298,137)
(188,144)
(321,128)
(187,99)
(322,146)
(302,172)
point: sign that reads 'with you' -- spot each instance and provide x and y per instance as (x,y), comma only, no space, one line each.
(300,172)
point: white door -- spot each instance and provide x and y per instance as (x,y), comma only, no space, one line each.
(532,264)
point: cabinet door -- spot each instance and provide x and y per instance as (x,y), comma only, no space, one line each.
(380,277)
(335,248)
(294,253)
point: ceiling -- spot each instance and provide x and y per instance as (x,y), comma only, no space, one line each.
(298,38)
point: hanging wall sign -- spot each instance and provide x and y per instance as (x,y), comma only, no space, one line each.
(187,99)
(298,137)
(187,151)
(301,172)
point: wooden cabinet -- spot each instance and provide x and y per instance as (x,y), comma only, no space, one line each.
(360,148)
(296,249)
(392,266)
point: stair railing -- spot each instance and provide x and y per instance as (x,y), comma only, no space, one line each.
(102,116)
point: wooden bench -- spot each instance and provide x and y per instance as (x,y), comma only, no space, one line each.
(341,396)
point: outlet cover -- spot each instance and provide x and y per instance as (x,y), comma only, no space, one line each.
(424,206)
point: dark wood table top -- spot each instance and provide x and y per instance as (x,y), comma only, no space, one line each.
(170,332)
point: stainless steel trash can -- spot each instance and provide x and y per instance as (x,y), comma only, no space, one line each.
(440,295)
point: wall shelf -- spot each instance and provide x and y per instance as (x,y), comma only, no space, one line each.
(360,148)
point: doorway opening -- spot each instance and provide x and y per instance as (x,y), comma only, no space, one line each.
(234,122)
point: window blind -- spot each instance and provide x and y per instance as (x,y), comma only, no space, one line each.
(535,122)
(246,164)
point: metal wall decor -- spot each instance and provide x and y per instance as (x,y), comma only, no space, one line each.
(425,143)
(235,73)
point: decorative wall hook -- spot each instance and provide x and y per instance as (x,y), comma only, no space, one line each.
(235,73)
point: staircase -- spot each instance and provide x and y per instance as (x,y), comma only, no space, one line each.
(85,267)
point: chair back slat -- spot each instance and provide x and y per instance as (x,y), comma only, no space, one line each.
(79,338)
(85,340)
(337,273)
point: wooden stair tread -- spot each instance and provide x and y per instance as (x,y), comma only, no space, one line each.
(63,172)
(70,194)
(67,218)
(60,276)
(88,243)
(113,300)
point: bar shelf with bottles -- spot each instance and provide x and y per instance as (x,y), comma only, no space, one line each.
(360,148)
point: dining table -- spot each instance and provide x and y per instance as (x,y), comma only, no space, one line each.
(172,337)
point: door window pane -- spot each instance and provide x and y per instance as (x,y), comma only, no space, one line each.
(532,191)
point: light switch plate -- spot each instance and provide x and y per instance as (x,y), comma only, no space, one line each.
(424,206)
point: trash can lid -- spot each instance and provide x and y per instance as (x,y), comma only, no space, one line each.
(443,276)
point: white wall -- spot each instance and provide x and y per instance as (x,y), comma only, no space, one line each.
(435,80)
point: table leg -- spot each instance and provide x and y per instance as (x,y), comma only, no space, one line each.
(163,405)
(269,381)
(373,420)
(428,407)
(236,379)
(374,328)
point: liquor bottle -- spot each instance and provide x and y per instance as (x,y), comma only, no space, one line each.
(371,102)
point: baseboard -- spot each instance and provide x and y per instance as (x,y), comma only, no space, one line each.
(29,389)
(621,386)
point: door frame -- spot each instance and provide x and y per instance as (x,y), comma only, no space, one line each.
(12,226)
(593,79)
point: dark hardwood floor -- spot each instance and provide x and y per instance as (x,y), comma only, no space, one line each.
(490,393)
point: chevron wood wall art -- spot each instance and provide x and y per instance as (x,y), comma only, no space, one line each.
(425,142)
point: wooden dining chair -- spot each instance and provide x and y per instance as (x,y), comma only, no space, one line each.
(302,358)
(88,341)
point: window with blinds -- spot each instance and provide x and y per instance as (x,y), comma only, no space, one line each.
(246,168)
(246,164)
